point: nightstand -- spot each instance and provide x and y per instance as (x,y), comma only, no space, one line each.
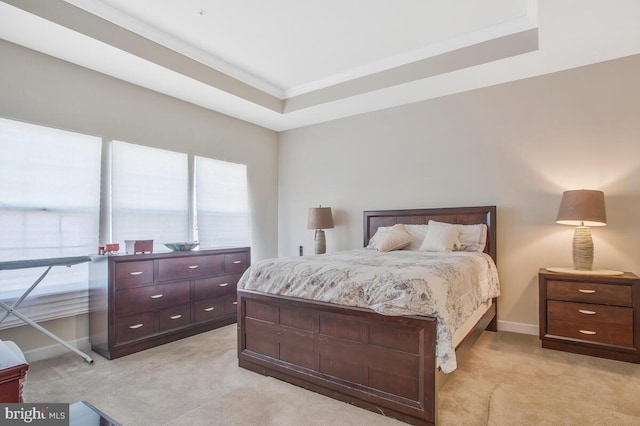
(590,314)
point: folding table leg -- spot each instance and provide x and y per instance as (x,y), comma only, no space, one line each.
(25,294)
(45,331)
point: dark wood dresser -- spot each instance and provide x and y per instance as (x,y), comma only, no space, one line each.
(144,300)
(590,314)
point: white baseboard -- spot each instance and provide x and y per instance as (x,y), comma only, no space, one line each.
(83,343)
(56,350)
(518,327)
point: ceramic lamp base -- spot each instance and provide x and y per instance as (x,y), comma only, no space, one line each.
(582,249)
(321,244)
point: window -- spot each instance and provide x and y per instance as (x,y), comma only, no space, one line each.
(49,207)
(149,195)
(222,205)
(50,194)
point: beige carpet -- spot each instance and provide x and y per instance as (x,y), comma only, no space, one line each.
(509,406)
(507,380)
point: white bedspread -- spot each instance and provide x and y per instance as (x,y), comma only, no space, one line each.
(449,286)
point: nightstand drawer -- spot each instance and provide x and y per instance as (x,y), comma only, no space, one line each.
(609,335)
(584,313)
(576,291)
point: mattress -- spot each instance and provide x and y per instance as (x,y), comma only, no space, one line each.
(449,286)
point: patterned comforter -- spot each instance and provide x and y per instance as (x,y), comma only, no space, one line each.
(449,286)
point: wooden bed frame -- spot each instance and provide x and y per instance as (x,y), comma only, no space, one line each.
(385,364)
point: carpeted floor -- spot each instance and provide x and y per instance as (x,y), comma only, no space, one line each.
(507,379)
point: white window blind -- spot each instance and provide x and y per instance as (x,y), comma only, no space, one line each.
(222,205)
(149,195)
(49,207)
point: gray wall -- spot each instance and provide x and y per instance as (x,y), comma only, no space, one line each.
(516,145)
(40,89)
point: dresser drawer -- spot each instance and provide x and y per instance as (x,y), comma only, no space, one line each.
(190,267)
(216,286)
(150,298)
(134,327)
(608,294)
(208,309)
(599,333)
(584,313)
(235,262)
(174,317)
(230,303)
(132,274)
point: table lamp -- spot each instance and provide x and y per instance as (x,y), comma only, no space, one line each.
(582,208)
(320,218)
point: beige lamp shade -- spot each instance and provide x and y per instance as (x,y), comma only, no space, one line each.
(320,218)
(582,207)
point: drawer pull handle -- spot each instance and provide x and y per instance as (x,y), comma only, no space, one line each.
(136,273)
(133,327)
(208,309)
(175,317)
(192,267)
(589,332)
(223,284)
(581,290)
(235,303)
(235,262)
(584,311)
(157,296)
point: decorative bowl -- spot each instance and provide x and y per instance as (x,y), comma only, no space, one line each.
(182,246)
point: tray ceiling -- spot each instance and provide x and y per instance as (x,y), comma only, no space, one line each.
(280,64)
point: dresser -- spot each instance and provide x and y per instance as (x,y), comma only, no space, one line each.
(591,315)
(143,300)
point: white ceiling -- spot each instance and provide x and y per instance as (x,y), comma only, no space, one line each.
(287,47)
(283,64)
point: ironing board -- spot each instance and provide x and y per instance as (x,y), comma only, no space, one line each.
(38,263)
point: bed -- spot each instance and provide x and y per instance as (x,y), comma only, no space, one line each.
(383,363)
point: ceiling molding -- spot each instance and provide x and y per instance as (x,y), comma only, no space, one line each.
(504,29)
(104,11)
(563,40)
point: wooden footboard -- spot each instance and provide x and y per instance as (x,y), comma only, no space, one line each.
(382,363)
(385,364)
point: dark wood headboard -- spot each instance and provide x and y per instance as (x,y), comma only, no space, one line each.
(460,215)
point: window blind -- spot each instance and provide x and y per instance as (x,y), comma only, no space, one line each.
(222,205)
(149,195)
(49,207)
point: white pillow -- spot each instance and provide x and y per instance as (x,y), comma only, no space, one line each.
(472,237)
(389,239)
(440,237)
(418,233)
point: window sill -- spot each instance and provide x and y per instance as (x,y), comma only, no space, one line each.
(46,307)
